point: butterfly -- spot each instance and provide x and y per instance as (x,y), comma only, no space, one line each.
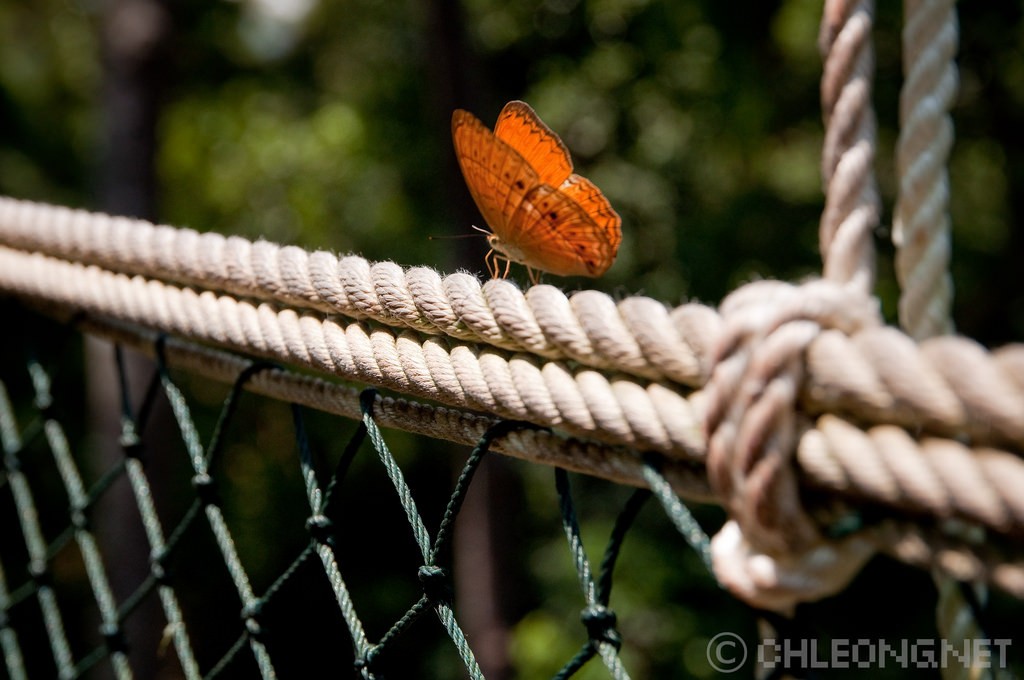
(541,214)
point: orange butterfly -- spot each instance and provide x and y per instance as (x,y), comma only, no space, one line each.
(541,214)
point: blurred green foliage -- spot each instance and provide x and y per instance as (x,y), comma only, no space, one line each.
(317,123)
(325,124)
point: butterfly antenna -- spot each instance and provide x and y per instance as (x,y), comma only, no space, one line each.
(445,237)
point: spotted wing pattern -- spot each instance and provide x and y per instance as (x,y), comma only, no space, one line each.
(497,175)
(557,235)
(589,197)
(541,214)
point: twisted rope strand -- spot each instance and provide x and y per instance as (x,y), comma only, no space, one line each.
(587,328)
(946,386)
(580,401)
(584,401)
(852,202)
(921,225)
(455,425)
(886,464)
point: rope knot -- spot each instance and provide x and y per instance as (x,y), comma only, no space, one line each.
(365,663)
(158,566)
(206,489)
(130,440)
(250,614)
(321,528)
(751,420)
(39,572)
(600,623)
(435,583)
(80,517)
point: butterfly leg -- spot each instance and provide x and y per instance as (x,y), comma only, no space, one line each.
(493,261)
(490,260)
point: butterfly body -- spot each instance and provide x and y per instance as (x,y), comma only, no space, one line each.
(540,213)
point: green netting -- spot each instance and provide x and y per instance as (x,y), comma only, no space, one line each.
(250,650)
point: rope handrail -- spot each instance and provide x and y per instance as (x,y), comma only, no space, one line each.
(453,424)
(590,405)
(639,335)
(947,386)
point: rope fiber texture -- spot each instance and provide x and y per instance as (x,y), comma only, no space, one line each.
(609,378)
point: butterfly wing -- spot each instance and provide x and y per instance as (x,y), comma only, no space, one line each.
(519,126)
(552,232)
(586,194)
(542,214)
(497,175)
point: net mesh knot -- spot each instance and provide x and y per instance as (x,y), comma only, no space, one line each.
(39,572)
(600,622)
(320,528)
(79,516)
(157,567)
(435,584)
(206,489)
(250,614)
(130,441)
(365,663)
(752,421)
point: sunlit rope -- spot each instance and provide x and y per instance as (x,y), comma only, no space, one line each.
(922,226)
(948,387)
(852,202)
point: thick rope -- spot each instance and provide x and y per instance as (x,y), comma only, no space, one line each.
(946,386)
(604,410)
(848,366)
(752,417)
(771,552)
(580,401)
(921,225)
(638,335)
(851,194)
(460,426)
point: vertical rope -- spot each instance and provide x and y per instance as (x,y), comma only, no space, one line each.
(131,444)
(851,193)
(35,543)
(215,518)
(921,226)
(61,449)
(422,536)
(600,621)
(13,659)
(318,501)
